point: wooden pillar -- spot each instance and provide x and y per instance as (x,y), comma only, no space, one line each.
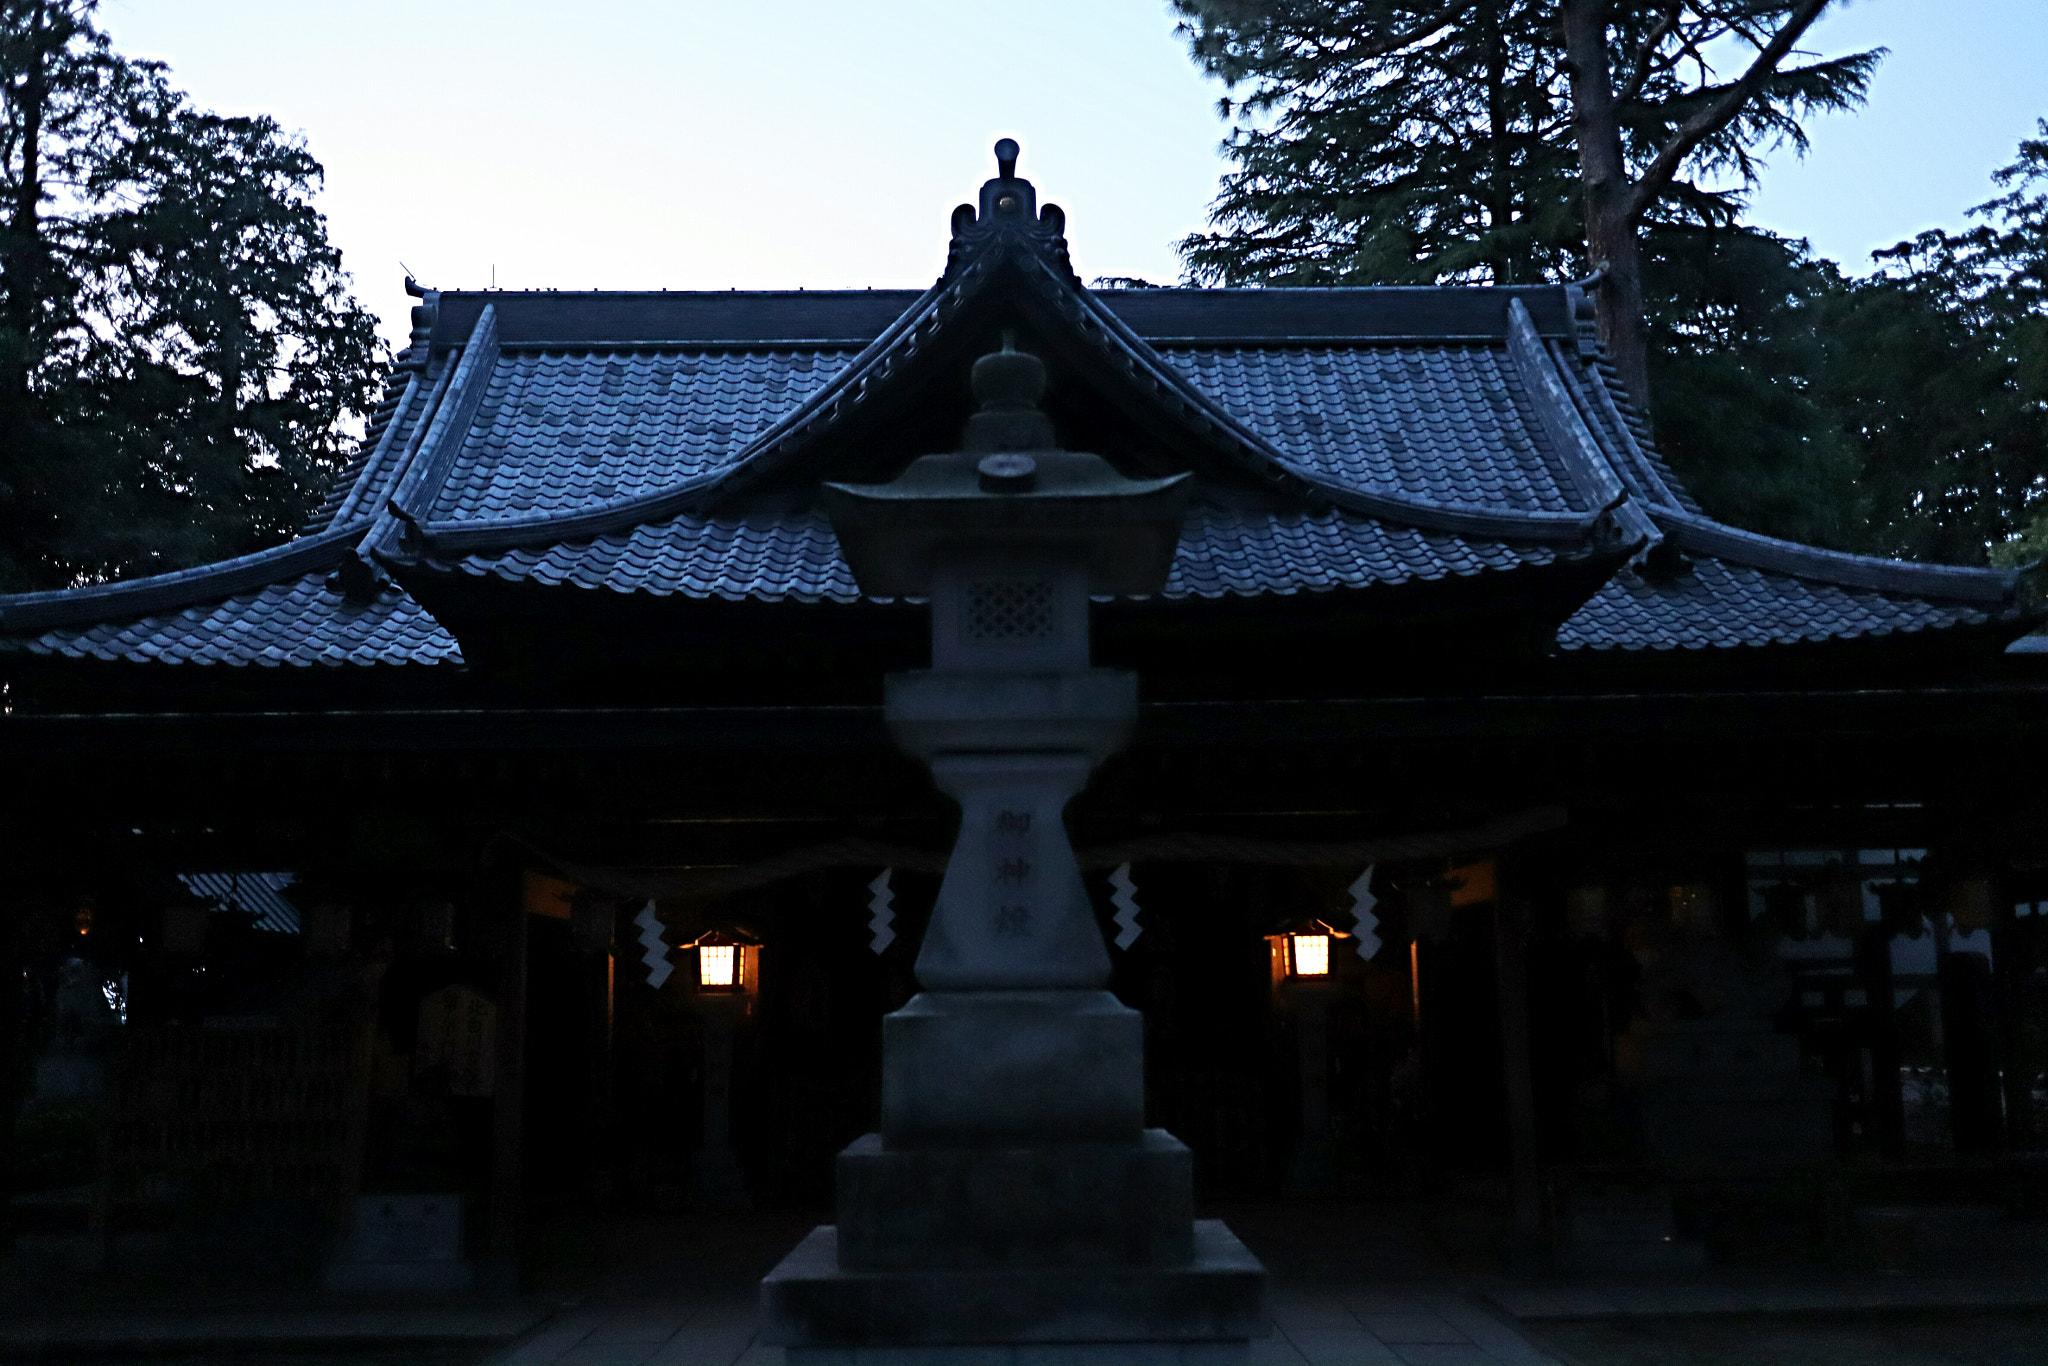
(1511,983)
(1314,1169)
(508,1103)
(599,1160)
(715,1178)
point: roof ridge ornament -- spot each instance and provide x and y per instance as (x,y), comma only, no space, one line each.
(1008,210)
(426,315)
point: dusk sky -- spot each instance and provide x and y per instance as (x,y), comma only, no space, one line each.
(819,143)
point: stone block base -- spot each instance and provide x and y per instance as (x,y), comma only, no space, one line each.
(973,1067)
(1218,1297)
(1057,1204)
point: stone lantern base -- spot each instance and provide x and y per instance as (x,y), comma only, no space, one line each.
(1011,1202)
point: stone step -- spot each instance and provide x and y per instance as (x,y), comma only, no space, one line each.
(810,1300)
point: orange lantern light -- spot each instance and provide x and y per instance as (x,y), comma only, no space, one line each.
(728,963)
(1301,950)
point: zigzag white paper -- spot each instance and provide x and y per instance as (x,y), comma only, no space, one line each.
(1362,902)
(658,966)
(1126,903)
(881,912)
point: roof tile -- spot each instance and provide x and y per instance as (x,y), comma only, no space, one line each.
(1223,551)
(302,621)
(1716,604)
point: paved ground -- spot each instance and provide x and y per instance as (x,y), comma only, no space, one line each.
(2002,1337)
(1366,1328)
(311,1333)
(1348,1290)
(1344,1295)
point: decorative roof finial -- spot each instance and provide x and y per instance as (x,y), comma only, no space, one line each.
(426,315)
(1009,212)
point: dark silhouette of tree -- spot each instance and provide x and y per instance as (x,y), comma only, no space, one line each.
(1939,366)
(180,360)
(1741,323)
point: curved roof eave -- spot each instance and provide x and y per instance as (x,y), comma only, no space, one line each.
(1953,582)
(21,612)
(1698,534)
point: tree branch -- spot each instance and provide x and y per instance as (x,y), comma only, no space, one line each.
(1388,46)
(1646,58)
(1721,112)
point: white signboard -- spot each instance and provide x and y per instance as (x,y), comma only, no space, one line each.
(458,1031)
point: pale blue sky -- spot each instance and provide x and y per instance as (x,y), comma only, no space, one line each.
(700,144)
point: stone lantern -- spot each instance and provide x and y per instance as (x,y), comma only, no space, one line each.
(1013,1194)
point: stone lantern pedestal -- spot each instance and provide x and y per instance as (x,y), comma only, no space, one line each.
(1014,1194)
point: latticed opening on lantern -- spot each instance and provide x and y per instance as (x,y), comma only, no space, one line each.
(728,963)
(718,965)
(1302,949)
(1310,954)
(1011,609)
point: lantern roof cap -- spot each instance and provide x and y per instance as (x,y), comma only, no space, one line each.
(1309,925)
(734,937)
(1009,489)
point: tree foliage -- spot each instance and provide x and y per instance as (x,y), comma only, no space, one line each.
(180,360)
(1434,141)
(1741,324)
(1405,141)
(1362,158)
(1940,374)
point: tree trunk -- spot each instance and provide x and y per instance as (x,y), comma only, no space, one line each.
(1502,207)
(1611,240)
(21,258)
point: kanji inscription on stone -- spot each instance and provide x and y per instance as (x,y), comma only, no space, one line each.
(1012,871)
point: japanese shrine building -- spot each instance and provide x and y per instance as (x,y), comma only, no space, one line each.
(1690,850)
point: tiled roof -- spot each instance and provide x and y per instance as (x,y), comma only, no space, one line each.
(796,556)
(1229,551)
(372,469)
(1347,438)
(1738,588)
(1445,424)
(1714,604)
(768,558)
(302,621)
(562,431)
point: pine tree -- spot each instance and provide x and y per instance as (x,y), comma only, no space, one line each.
(1386,143)
(1398,141)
